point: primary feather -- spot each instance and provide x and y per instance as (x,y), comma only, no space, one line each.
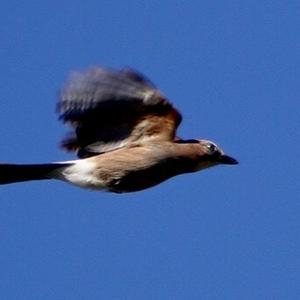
(111,109)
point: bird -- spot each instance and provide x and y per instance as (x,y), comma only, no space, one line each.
(123,131)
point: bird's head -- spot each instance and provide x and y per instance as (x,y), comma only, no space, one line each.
(209,154)
(214,153)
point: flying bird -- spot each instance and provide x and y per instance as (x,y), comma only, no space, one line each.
(123,130)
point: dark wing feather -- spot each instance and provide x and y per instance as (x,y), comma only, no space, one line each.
(112,109)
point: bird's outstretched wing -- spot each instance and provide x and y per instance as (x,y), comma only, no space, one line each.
(111,109)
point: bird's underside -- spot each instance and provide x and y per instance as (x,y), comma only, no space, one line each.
(123,131)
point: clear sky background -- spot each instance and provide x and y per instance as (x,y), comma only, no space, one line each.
(231,232)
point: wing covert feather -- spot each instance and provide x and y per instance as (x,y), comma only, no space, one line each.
(111,109)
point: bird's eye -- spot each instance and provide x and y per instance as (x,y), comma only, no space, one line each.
(211,147)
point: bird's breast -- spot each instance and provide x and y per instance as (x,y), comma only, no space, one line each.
(142,176)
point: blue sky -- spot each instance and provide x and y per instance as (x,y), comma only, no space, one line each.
(233,69)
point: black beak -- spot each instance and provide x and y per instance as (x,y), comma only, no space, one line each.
(227,160)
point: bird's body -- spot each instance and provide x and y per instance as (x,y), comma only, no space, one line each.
(134,168)
(125,137)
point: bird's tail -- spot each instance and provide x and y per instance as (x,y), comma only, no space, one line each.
(10,173)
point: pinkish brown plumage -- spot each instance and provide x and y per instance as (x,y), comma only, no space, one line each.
(124,132)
